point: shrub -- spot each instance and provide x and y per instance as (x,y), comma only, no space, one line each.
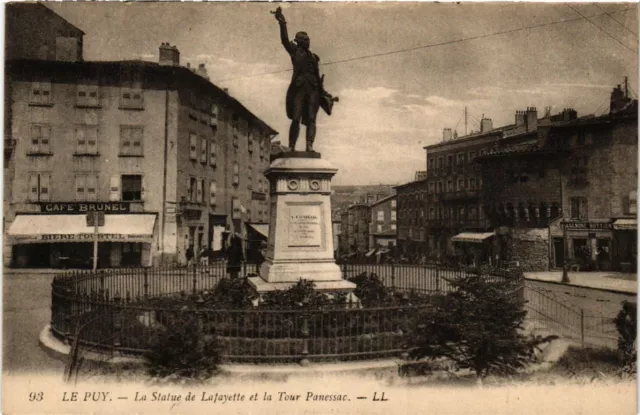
(627,324)
(232,292)
(302,295)
(370,289)
(183,349)
(478,326)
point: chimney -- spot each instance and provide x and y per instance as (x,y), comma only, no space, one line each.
(169,55)
(446,134)
(618,100)
(532,119)
(520,118)
(202,71)
(486,125)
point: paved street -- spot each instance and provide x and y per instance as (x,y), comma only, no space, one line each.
(26,310)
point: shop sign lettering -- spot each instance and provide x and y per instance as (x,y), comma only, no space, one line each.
(84,207)
(586,225)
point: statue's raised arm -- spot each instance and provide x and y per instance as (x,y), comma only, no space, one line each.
(284,35)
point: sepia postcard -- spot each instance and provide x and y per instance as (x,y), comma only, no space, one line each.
(320,207)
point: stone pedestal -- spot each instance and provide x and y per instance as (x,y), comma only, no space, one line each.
(300,244)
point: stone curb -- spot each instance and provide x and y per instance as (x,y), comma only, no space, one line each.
(611,290)
(378,368)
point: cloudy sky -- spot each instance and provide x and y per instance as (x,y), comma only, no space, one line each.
(403,72)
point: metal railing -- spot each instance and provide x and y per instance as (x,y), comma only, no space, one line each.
(130,315)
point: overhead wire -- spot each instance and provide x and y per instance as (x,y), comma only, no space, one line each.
(616,20)
(433,45)
(607,33)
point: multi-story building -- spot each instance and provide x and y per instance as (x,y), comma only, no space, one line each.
(383,223)
(568,195)
(354,230)
(173,160)
(411,218)
(599,188)
(451,194)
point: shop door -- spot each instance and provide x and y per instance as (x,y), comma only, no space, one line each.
(558,249)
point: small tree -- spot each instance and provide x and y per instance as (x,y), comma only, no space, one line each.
(183,349)
(478,326)
(627,324)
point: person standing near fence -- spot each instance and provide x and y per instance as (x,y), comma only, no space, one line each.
(189,255)
(234,256)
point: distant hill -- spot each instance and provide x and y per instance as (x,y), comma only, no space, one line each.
(343,196)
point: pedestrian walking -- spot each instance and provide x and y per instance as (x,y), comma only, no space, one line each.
(234,256)
(204,257)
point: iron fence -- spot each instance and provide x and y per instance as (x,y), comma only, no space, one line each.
(128,321)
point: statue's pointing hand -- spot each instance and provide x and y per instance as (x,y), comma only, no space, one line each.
(279,15)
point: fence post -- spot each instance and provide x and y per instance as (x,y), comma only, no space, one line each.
(305,339)
(582,327)
(244,269)
(195,279)
(393,276)
(437,279)
(146,283)
(344,271)
(116,323)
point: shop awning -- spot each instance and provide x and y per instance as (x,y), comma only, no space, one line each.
(472,237)
(371,252)
(628,223)
(261,228)
(383,251)
(73,228)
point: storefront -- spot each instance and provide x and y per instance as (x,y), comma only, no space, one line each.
(63,240)
(625,233)
(473,248)
(589,245)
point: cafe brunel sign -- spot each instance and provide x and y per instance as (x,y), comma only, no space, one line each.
(82,208)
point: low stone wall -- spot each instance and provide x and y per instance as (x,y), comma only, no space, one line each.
(531,249)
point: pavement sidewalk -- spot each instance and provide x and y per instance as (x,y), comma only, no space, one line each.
(608,281)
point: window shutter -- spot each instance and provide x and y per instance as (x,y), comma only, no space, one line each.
(189,190)
(92,188)
(212,153)
(45,188)
(136,141)
(125,140)
(114,189)
(80,188)
(81,143)
(92,140)
(45,140)
(212,193)
(203,150)
(583,208)
(33,187)
(193,145)
(199,190)
(143,189)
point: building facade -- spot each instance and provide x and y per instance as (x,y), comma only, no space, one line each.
(133,138)
(599,188)
(411,218)
(383,223)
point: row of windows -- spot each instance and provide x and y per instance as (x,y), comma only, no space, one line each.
(87,95)
(379,227)
(196,189)
(458,159)
(127,187)
(463,212)
(380,215)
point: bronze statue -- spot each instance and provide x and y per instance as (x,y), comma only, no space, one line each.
(306,92)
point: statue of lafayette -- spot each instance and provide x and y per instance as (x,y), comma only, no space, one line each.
(306,92)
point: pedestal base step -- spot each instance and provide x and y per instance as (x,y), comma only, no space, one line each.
(262,286)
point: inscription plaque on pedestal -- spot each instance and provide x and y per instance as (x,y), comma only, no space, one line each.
(304,226)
